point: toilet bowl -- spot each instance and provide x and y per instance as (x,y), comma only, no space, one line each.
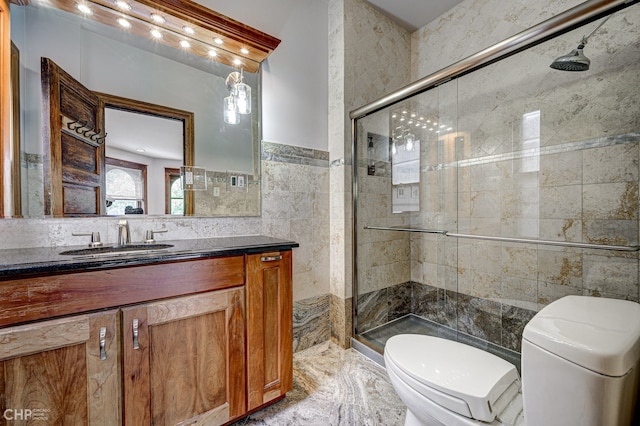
(580,362)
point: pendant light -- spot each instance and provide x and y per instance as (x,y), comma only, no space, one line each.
(239,99)
(231,115)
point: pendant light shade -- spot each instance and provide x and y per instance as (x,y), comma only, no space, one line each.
(230,110)
(239,99)
(243,98)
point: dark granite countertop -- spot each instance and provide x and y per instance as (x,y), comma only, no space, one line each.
(43,260)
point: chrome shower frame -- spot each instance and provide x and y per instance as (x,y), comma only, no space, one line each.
(571,19)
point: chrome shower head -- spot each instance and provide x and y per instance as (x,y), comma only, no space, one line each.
(574,61)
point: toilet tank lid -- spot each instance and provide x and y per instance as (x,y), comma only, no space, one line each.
(597,333)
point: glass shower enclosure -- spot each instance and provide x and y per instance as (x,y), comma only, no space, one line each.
(490,189)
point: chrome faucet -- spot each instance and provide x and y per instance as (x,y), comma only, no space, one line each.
(124,236)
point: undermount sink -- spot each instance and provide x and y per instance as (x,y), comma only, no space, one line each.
(115,250)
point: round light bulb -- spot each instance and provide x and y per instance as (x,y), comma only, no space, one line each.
(123,5)
(84,9)
(158,18)
(124,23)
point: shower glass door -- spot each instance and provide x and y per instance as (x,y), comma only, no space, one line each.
(481,200)
(407,180)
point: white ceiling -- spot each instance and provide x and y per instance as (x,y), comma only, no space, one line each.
(413,14)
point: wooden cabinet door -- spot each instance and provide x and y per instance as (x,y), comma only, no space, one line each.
(269,327)
(184,360)
(61,372)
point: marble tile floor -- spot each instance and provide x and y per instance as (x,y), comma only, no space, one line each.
(334,386)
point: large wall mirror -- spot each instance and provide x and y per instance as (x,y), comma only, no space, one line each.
(158,139)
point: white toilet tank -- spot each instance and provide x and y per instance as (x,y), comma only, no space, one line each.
(580,362)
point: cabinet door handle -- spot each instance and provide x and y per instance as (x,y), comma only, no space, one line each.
(103,343)
(270,258)
(136,344)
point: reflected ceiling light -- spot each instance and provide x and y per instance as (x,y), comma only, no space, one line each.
(239,99)
(123,5)
(156,33)
(237,62)
(141,150)
(401,118)
(212,53)
(124,23)
(450,129)
(218,40)
(394,115)
(158,18)
(84,9)
(244,51)
(185,44)
(188,30)
(404,112)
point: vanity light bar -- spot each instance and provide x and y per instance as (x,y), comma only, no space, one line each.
(148,21)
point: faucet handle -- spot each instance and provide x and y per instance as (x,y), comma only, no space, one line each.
(95,238)
(148,235)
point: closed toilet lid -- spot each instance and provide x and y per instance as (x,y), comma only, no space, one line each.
(471,378)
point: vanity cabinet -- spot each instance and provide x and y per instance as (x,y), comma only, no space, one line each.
(269,327)
(199,341)
(62,372)
(183,360)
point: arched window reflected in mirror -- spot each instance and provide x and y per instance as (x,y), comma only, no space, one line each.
(126,187)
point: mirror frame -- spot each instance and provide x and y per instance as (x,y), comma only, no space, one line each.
(206,22)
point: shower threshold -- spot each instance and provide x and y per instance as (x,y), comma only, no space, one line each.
(413,324)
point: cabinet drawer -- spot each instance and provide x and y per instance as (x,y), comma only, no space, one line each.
(29,299)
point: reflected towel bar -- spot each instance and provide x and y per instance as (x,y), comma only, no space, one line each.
(508,239)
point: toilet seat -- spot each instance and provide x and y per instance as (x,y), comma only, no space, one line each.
(459,377)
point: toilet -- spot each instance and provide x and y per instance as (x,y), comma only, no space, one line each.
(580,362)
